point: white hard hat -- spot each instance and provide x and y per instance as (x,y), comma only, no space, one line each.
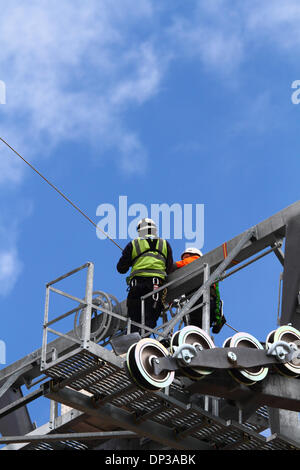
(192,251)
(146,227)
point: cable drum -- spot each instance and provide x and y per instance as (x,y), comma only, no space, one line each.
(103,325)
(290,335)
(251,375)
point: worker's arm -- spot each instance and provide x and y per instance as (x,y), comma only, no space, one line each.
(126,259)
(170,261)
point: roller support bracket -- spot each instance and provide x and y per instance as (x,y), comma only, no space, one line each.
(230,358)
(185,353)
(283,351)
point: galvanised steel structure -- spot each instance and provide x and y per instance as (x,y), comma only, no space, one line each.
(129,391)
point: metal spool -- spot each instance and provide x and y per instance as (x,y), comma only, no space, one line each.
(289,335)
(140,357)
(103,325)
(198,338)
(253,374)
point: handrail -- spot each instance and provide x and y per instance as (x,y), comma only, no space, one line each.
(164,286)
(60,278)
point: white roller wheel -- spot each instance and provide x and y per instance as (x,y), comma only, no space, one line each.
(289,335)
(174,341)
(251,375)
(198,338)
(140,357)
(227,342)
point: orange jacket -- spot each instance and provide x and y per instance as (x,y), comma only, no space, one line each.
(186,261)
(189,260)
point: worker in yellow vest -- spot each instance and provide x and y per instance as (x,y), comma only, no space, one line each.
(151,260)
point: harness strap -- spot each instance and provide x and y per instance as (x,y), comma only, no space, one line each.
(160,255)
(154,271)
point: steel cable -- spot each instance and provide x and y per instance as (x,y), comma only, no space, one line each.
(59,192)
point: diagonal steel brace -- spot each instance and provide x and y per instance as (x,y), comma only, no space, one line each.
(212,278)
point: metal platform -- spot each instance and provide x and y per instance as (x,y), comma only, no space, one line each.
(107,405)
(110,384)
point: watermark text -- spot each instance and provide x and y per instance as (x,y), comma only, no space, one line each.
(175,221)
(296,94)
(2,352)
(2,92)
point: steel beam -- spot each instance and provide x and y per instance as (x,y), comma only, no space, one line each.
(275,390)
(212,278)
(72,436)
(114,416)
(186,279)
(285,423)
(291,275)
(267,233)
(20,402)
(17,421)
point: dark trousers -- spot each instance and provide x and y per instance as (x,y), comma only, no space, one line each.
(153,307)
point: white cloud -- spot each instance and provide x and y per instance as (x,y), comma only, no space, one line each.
(276,21)
(10,263)
(11,170)
(213,34)
(223,36)
(146,79)
(134,159)
(10,269)
(71,70)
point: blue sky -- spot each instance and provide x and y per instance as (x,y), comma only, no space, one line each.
(184,102)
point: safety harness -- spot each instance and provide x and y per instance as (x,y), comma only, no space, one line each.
(148,261)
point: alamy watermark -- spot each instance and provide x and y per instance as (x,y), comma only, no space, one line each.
(2,352)
(2,92)
(296,94)
(176,221)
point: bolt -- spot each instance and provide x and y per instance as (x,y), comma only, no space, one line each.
(231,356)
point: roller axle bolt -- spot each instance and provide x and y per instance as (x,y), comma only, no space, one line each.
(232,357)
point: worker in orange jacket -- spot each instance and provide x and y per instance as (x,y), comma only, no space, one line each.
(188,256)
(217,318)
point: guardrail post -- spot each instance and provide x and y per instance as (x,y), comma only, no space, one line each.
(86,326)
(53,403)
(44,344)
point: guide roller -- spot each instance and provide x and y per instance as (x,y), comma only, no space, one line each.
(140,359)
(198,338)
(290,335)
(251,375)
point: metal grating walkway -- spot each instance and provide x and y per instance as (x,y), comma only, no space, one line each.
(110,383)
